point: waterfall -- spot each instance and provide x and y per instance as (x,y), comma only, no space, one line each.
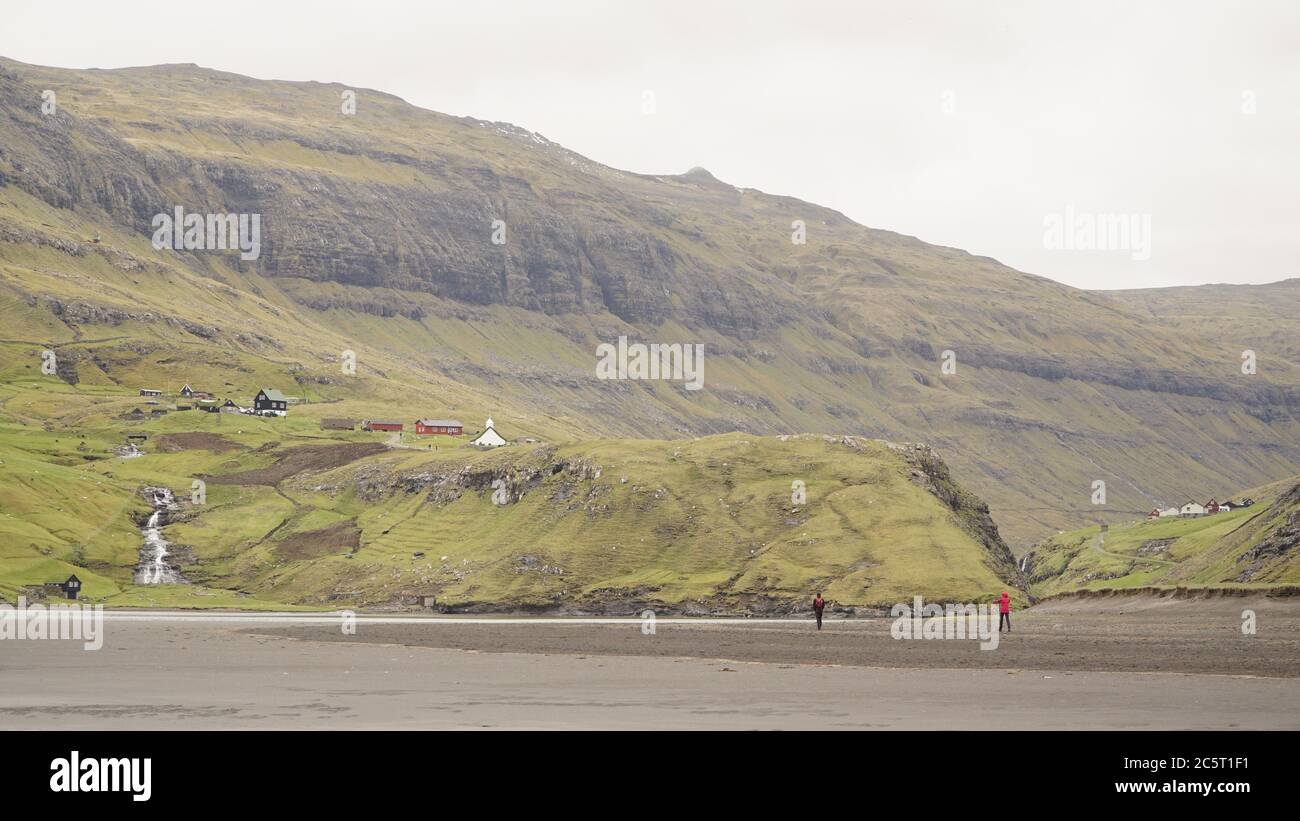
(152,567)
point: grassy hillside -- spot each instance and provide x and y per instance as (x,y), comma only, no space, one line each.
(1251,546)
(295,515)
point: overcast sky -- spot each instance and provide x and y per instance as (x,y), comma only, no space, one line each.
(963,123)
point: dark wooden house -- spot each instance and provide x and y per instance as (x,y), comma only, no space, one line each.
(268,399)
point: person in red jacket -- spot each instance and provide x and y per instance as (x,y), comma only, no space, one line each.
(819,604)
(1004,608)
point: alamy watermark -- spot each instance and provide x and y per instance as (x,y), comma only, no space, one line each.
(77,774)
(1085,231)
(209,232)
(953,621)
(70,622)
(678,362)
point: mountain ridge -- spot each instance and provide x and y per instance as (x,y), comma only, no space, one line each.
(378,239)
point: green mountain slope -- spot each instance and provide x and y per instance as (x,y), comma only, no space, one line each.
(377,239)
(1255,545)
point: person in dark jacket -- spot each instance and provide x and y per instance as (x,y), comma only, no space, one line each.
(819,604)
(1004,608)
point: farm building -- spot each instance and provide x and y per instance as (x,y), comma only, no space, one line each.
(1170,511)
(150,392)
(329,423)
(1191,510)
(229,406)
(444,427)
(268,399)
(1211,507)
(382,424)
(489,438)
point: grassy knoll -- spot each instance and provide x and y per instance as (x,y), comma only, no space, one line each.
(1253,546)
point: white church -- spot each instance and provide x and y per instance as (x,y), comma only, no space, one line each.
(489,438)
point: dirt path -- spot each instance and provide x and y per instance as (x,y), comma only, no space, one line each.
(1100,540)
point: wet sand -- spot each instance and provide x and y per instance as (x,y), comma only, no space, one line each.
(1155,636)
(1069,665)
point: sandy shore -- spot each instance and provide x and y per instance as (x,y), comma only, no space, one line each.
(1140,636)
(1071,665)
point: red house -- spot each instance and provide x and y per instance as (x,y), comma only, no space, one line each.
(439,427)
(1211,506)
(381,424)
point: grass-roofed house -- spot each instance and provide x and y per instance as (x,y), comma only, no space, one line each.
(268,399)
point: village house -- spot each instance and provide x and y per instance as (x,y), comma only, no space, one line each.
(489,438)
(1191,510)
(150,392)
(190,393)
(1169,511)
(1211,507)
(229,406)
(268,399)
(69,588)
(382,424)
(1154,514)
(329,423)
(443,427)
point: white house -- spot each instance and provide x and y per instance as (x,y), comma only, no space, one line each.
(489,438)
(1191,509)
(1169,511)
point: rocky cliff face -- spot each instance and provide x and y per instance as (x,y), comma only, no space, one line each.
(971,512)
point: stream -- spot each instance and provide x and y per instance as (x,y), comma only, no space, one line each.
(152,567)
